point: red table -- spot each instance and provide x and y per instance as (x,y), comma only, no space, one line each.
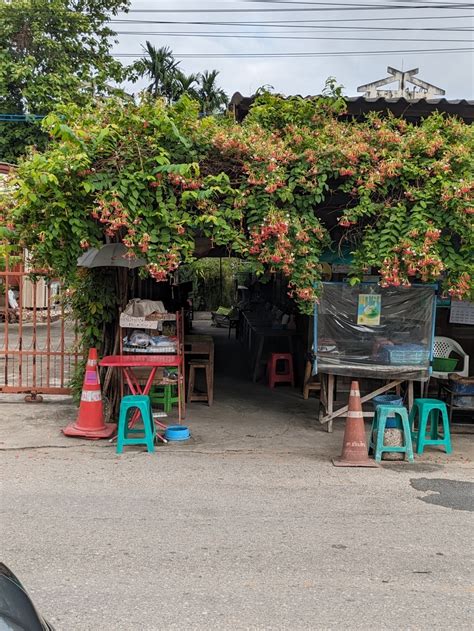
(126,364)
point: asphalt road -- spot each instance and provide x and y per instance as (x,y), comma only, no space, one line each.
(236,540)
(246,526)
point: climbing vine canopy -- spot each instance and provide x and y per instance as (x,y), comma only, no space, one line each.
(156,176)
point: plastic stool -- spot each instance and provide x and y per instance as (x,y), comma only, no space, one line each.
(382,414)
(142,403)
(207,396)
(287,376)
(430,410)
(163,395)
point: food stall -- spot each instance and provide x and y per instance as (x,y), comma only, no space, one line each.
(369,332)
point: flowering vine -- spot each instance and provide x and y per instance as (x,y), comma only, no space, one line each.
(293,180)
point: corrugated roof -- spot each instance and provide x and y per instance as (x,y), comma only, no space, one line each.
(433,101)
(360,105)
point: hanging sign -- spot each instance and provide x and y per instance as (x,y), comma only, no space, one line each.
(369,309)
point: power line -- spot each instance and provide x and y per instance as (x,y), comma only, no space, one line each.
(345,7)
(289,2)
(285,23)
(358,5)
(328,29)
(332,28)
(295,38)
(290,55)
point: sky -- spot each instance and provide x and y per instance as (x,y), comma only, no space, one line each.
(336,32)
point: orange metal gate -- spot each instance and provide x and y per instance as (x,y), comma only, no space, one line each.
(38,338)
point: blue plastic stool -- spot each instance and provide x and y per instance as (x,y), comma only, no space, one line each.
(430,410)
(128,406)
(382,414)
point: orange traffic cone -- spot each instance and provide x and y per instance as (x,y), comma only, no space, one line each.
(90,421)
(354,448)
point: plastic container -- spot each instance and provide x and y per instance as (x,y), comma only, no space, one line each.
(388,399)
(177,432)
(411,354)
(444,364)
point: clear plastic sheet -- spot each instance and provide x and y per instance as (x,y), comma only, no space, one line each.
(369,331)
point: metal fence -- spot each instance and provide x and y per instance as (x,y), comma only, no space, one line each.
(38,337)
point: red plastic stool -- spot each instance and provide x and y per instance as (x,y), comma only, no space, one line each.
(281,376)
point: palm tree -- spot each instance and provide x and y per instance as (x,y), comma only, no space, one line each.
(161,67)
(186,84)
(168,80)
(212,98)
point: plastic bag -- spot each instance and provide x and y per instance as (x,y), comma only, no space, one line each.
(376,332)
(139,338)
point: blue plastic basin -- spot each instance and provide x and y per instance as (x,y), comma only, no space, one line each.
(177,432)
(388,399)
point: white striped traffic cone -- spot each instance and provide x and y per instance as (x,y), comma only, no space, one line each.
(354,448)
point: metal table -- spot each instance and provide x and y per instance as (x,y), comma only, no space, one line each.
(126,364)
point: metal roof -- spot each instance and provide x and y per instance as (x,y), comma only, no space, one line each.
(435,101)
(358,106)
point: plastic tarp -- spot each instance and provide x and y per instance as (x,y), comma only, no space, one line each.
(370,331)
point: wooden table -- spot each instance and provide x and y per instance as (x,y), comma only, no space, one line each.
(126,364)
(202,345)
(247,321)
(327,377)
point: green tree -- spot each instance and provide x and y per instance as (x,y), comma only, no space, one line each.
(160,66)
(211,97)
(51,52)
(170,82)
(187,84)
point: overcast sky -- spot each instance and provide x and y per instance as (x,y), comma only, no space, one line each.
(437,21)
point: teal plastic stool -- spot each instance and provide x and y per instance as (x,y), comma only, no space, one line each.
(128,406)
(382,414)
(430,410)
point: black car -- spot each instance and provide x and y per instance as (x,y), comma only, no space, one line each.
(17,612)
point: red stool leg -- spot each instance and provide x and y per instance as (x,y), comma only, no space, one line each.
(272,371)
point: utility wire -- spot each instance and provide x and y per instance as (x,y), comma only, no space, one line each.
(326,29)
(289,2)
(297,38)
(359,5)
(285,23)
(340,8)
(333,28)
(329,29)
(290,55)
